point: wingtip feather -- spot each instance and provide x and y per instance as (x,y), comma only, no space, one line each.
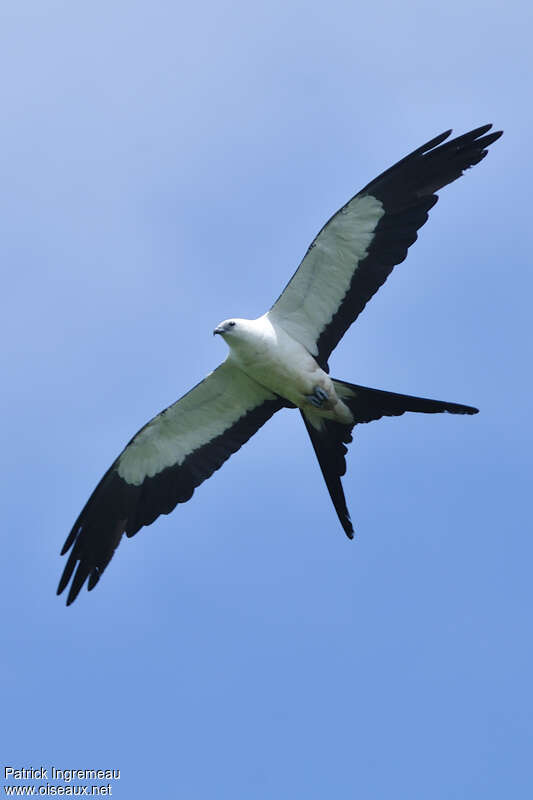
(77,582)
(70,539)
(67,572)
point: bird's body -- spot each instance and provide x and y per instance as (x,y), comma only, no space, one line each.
(277,361)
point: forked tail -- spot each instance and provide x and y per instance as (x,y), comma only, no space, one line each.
(329,438)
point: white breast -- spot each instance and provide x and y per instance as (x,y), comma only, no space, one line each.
(274,359)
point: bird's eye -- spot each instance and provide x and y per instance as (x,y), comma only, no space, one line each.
(232,324)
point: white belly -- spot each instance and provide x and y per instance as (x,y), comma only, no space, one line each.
(280,363)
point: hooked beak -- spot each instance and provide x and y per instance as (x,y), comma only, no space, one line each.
(220,329)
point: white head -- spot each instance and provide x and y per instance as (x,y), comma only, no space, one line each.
(240,332)
(229,328)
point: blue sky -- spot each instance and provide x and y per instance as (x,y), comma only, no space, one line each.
(164,167)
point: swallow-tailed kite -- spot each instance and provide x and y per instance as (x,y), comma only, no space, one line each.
(280,360)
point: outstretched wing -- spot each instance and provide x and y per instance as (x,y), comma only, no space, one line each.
(357,249)
(162,465)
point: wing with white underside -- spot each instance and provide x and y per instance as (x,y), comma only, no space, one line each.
(162,465)
(357,249)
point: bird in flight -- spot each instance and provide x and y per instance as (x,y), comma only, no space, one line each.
(280,360)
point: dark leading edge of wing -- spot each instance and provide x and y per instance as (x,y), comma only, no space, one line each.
(116,506)
(407,192)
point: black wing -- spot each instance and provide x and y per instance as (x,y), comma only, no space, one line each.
(162,465)
(358,247)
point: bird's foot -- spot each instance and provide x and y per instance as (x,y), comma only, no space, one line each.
(318,397)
